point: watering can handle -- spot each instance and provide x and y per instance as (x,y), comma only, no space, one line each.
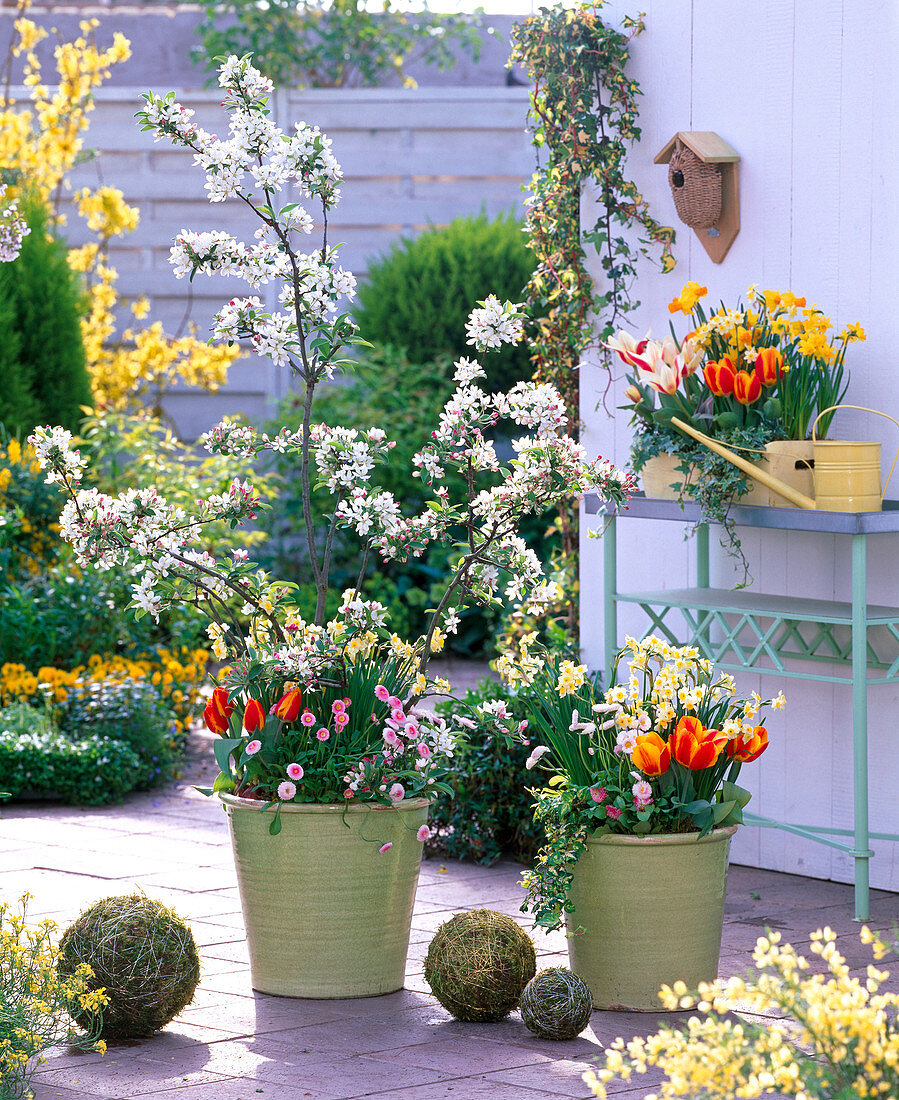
(859,408)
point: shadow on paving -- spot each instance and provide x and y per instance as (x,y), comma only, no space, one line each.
(234,1044)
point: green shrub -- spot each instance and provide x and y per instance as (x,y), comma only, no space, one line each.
(51,384)
(419,295)
(131,713)
(18,409)
(63,615)
(343,43)
(37,759)
(491,814)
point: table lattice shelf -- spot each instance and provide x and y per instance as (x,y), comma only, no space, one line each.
(770,634)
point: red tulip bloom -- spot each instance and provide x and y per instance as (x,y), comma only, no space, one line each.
(749,745)
(719,377)
(218,710)
(253,716)
(214,721)
(289,705)
(694,746)
(651,755)
(747,387)
(769,365)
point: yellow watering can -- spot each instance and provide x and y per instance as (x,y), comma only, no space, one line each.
(847,474)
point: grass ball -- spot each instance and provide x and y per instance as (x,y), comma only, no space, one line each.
(144,955)
(556,1004)
(478,963)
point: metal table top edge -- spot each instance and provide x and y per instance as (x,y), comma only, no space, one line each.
(789,519)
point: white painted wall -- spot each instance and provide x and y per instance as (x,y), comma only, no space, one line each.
(804,90)
(411,158)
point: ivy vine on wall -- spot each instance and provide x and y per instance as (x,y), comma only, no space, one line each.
(584,114)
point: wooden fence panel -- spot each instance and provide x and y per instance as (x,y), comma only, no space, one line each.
(411,158)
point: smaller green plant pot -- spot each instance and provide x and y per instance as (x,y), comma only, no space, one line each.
(327,914)
(651,909)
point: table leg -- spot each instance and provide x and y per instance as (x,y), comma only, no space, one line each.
(702,556)
(610,590)
(862,852)
(702,579)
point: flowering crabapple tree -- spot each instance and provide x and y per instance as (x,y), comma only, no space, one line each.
(13,228)
(253,617)
(254,165)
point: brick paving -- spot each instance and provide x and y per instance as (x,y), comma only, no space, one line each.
(234,1044)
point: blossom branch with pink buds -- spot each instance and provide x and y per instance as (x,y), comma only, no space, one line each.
(253,165)
(13,229)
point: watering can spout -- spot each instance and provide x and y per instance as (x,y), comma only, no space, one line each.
(787,491)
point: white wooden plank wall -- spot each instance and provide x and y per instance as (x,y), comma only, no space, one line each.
(411,158)
(796,87)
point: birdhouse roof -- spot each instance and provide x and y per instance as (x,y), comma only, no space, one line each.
(706,145)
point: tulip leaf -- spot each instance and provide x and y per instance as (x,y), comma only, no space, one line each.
(730,791)
(773,409)
(222,750)
(727,813)
(728,419)
(223,782)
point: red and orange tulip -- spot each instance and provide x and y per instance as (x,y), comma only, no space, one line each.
(749,745)
(747,387)
(289,705)
(694,746)
(217,711)
(719,377)
(214,721)
(651,754)
(253,716)
(769,365)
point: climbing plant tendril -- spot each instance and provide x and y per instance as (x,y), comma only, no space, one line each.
(584,115)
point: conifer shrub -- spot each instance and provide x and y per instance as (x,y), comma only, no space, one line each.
(46,380)
(418,296)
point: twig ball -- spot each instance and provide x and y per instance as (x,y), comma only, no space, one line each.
(144,955)
(556,1004)
(478,963)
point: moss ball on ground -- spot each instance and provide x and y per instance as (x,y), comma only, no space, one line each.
(478,963)
(144,955)
(556,1004)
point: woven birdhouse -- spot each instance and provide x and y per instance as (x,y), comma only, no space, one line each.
(695,187)
(702,175)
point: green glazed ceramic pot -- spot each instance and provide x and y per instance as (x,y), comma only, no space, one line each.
(652,909)
(327,914)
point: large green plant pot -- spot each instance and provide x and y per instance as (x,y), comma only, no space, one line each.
(652,909)
(326,913)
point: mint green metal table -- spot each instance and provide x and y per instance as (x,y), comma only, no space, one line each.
(750,631)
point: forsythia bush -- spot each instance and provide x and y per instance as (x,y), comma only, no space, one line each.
(35,1003)
(39,145)
(147,362)
(838,1038)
